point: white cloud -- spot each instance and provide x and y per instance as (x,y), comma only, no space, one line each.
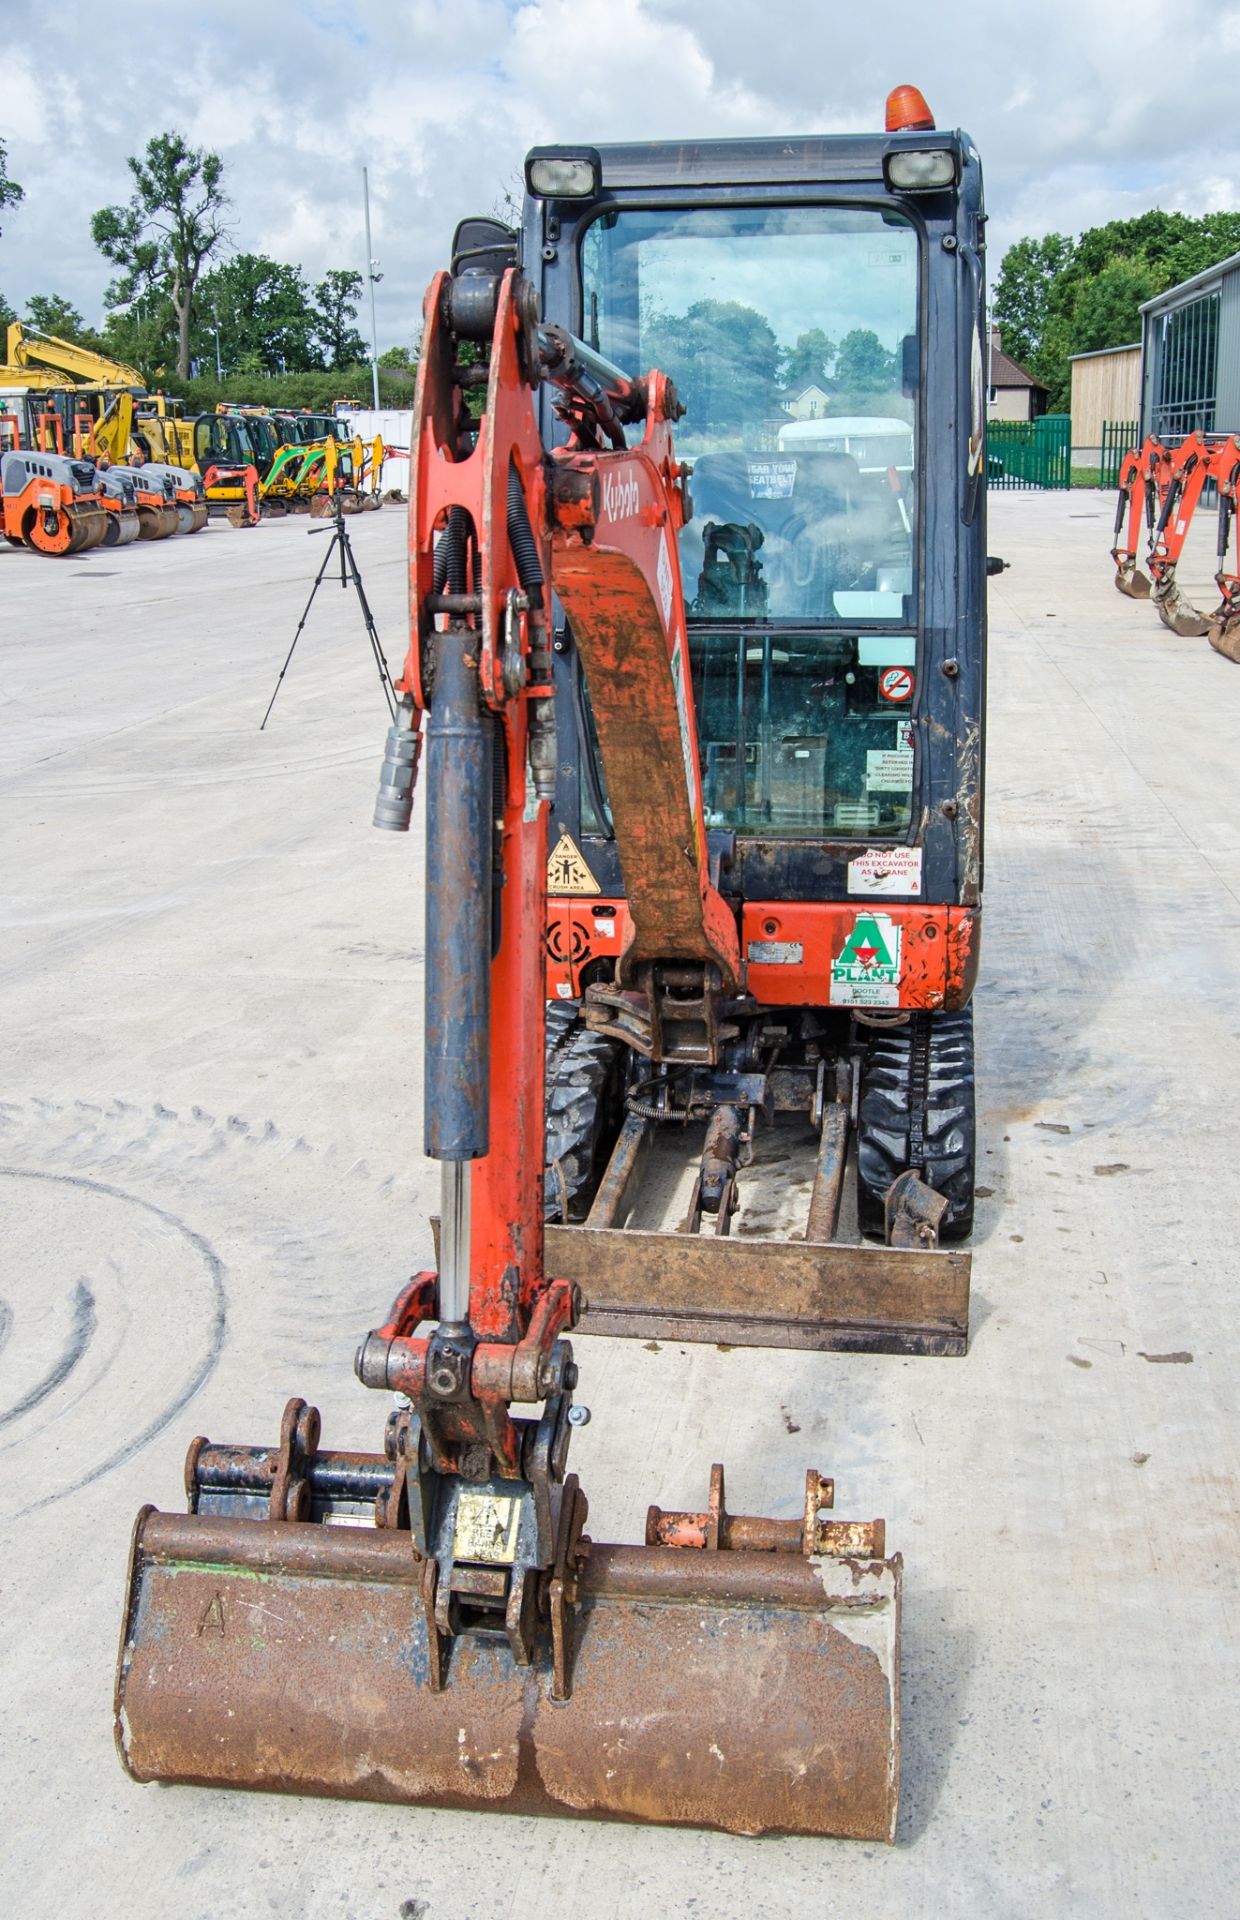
(1078,111)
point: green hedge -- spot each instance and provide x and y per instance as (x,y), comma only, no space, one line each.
(317,392)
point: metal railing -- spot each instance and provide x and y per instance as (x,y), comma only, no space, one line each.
(1118,438)
(1030,453)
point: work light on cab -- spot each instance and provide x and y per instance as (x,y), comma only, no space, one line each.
(563,173)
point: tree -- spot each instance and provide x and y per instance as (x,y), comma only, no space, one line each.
(10,192)
(52,313)
(336,297)
(808,360)
(724,359)
(1107,308)
(174,222)
(1056,296)
(263,313)
(863,364)
(1022,299)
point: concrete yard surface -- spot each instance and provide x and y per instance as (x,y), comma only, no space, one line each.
(211,1186)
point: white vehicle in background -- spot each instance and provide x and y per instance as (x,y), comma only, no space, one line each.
(876,442)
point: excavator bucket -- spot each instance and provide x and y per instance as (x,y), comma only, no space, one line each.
(1224,637)
(1130,580)
(1178,613)
(744,1689)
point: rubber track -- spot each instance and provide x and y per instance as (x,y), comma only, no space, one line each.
(583,1070)
(917,1110)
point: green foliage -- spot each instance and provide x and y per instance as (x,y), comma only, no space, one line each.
(724,359)
(1056,296)
(1107,308)
(10,193)
(863,364)
(52,313)
(7,316)
(263,313)
(162,240)
(316,389)
(807,361)
(336,297)
(1030,271)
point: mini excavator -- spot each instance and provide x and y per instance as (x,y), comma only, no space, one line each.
(438,1625)
(1164,486)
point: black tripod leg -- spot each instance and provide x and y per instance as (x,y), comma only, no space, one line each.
(385,678)
(318,581)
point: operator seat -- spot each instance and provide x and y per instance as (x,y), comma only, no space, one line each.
(808,507)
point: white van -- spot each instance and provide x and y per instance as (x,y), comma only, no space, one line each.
(875,442)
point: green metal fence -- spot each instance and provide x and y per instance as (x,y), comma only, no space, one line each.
(1118,438)
(1030,453)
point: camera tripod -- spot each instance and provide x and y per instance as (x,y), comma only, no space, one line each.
(348,572)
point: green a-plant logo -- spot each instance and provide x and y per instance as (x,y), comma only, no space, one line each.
(866,971)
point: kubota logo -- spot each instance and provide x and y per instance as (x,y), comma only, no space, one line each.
(620,497)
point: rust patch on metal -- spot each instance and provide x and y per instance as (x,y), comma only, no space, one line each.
(319,1682)
(777,1293)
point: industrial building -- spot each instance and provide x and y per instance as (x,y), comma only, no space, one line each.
(1190,355)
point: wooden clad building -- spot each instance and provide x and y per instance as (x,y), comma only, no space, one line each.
(1106,385)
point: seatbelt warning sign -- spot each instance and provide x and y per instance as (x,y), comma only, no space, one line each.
(567,871)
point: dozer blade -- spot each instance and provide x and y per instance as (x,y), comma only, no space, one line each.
(766,1293)
(1178,613)
(1130,580)
(748,1691)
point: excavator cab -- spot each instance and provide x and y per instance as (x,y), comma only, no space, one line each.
(819,306)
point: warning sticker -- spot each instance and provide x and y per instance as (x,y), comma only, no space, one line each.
(772,479)
(866,971)
(682,714)
(895,684)
(664,576)
(886,870)
(567,872)
(486,1527)
(888,772)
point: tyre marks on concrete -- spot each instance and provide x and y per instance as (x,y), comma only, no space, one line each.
(98,1364)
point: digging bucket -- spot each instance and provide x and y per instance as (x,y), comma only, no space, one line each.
(747,1690)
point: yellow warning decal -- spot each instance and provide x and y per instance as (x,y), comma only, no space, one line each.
(486,1527)
(567,872)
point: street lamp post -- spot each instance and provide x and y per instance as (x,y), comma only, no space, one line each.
(373,277)
(219,370)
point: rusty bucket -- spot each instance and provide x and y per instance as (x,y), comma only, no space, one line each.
(741,1686)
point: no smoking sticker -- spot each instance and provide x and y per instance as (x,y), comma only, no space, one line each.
(895,684)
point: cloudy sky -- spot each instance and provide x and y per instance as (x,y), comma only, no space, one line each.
(1083,110)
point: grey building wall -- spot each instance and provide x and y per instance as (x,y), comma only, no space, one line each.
(1221,283)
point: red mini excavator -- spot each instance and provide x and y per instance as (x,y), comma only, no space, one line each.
(462,1640)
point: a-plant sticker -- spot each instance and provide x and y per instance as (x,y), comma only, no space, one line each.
(866,971)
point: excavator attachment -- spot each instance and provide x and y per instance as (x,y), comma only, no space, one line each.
(735,1682)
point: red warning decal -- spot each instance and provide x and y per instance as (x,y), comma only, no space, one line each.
(895,684)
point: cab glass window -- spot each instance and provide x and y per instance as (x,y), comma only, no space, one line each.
(791,335)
